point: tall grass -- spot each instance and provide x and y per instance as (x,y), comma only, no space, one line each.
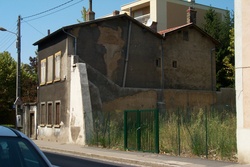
(188,132)
(203,133)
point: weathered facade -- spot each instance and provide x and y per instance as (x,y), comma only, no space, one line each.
(189,59)
(91,67)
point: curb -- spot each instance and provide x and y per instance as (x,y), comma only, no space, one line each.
(117,159)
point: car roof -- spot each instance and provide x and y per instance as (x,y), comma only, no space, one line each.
(6,131)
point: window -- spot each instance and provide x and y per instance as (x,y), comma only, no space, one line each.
(185,36)
(50,111)
(158,62)
(57,112)
(42,114)
(174,64)
(43,72)
(50,69)
(57,66)
(18,151)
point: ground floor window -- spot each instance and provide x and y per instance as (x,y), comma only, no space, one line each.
(43,114)
(50,116)
(57,112)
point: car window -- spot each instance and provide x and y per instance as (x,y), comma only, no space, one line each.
(19,152)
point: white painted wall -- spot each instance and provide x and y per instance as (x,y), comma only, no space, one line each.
(80,104)
(242,78)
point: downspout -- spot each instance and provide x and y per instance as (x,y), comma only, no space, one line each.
(162,66)
(127,56)
(160,102)
(212,80)
(75,40)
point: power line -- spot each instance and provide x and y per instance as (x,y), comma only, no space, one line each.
(34,28)
(27,21)
(55,11)
(7,38)
(47,10)
(10,45)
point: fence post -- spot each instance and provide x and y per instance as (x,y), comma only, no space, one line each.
(156,113)
(179,132)
(138,130)
(125,131)
(109,128)
(206,132)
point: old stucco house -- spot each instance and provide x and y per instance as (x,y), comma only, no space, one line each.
(118,63)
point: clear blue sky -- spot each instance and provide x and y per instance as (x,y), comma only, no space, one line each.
(35,28)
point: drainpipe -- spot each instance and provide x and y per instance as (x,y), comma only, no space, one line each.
(162,66)
(75,40)
(127,55)
(212,81)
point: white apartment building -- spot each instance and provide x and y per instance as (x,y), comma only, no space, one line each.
(167,13)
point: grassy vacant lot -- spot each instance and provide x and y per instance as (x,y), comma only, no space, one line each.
(190,132)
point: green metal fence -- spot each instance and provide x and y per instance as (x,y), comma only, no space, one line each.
(141,130)
(202,131)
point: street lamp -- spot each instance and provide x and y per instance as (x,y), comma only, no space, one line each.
(17,102)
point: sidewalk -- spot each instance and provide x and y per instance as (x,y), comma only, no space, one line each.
(135,158)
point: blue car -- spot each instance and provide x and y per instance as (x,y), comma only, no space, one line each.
(17,150)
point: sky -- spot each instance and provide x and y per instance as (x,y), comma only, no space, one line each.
(39,16)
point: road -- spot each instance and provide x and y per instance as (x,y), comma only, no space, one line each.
(63,160)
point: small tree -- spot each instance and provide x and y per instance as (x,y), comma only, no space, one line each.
(7,87)
(29,81)
(220,30)
(83,12)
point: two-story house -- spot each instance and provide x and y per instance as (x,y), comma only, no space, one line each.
(117,63)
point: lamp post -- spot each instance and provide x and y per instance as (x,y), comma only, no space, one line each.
(18,73)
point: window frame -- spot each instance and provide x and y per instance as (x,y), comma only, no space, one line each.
(43,114)
(49,114)
(57,113)
(174,64)
(57,71)
(158,62)
(50,69)
(43,71)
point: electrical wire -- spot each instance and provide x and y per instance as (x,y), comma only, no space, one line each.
(48,10)
(34,28)
(8,39)
(54,11)
(10,45)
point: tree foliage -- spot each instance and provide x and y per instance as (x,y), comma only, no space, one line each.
(7,81)
(83,12)
(29,81)
(8,70)
(220,29)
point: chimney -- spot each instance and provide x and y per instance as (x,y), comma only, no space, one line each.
(153,26)
(191,15)
(90,15)
(116,12)
(48,31)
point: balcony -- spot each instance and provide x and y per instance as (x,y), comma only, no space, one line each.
(143,19)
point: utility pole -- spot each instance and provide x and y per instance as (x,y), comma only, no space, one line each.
(18,101)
